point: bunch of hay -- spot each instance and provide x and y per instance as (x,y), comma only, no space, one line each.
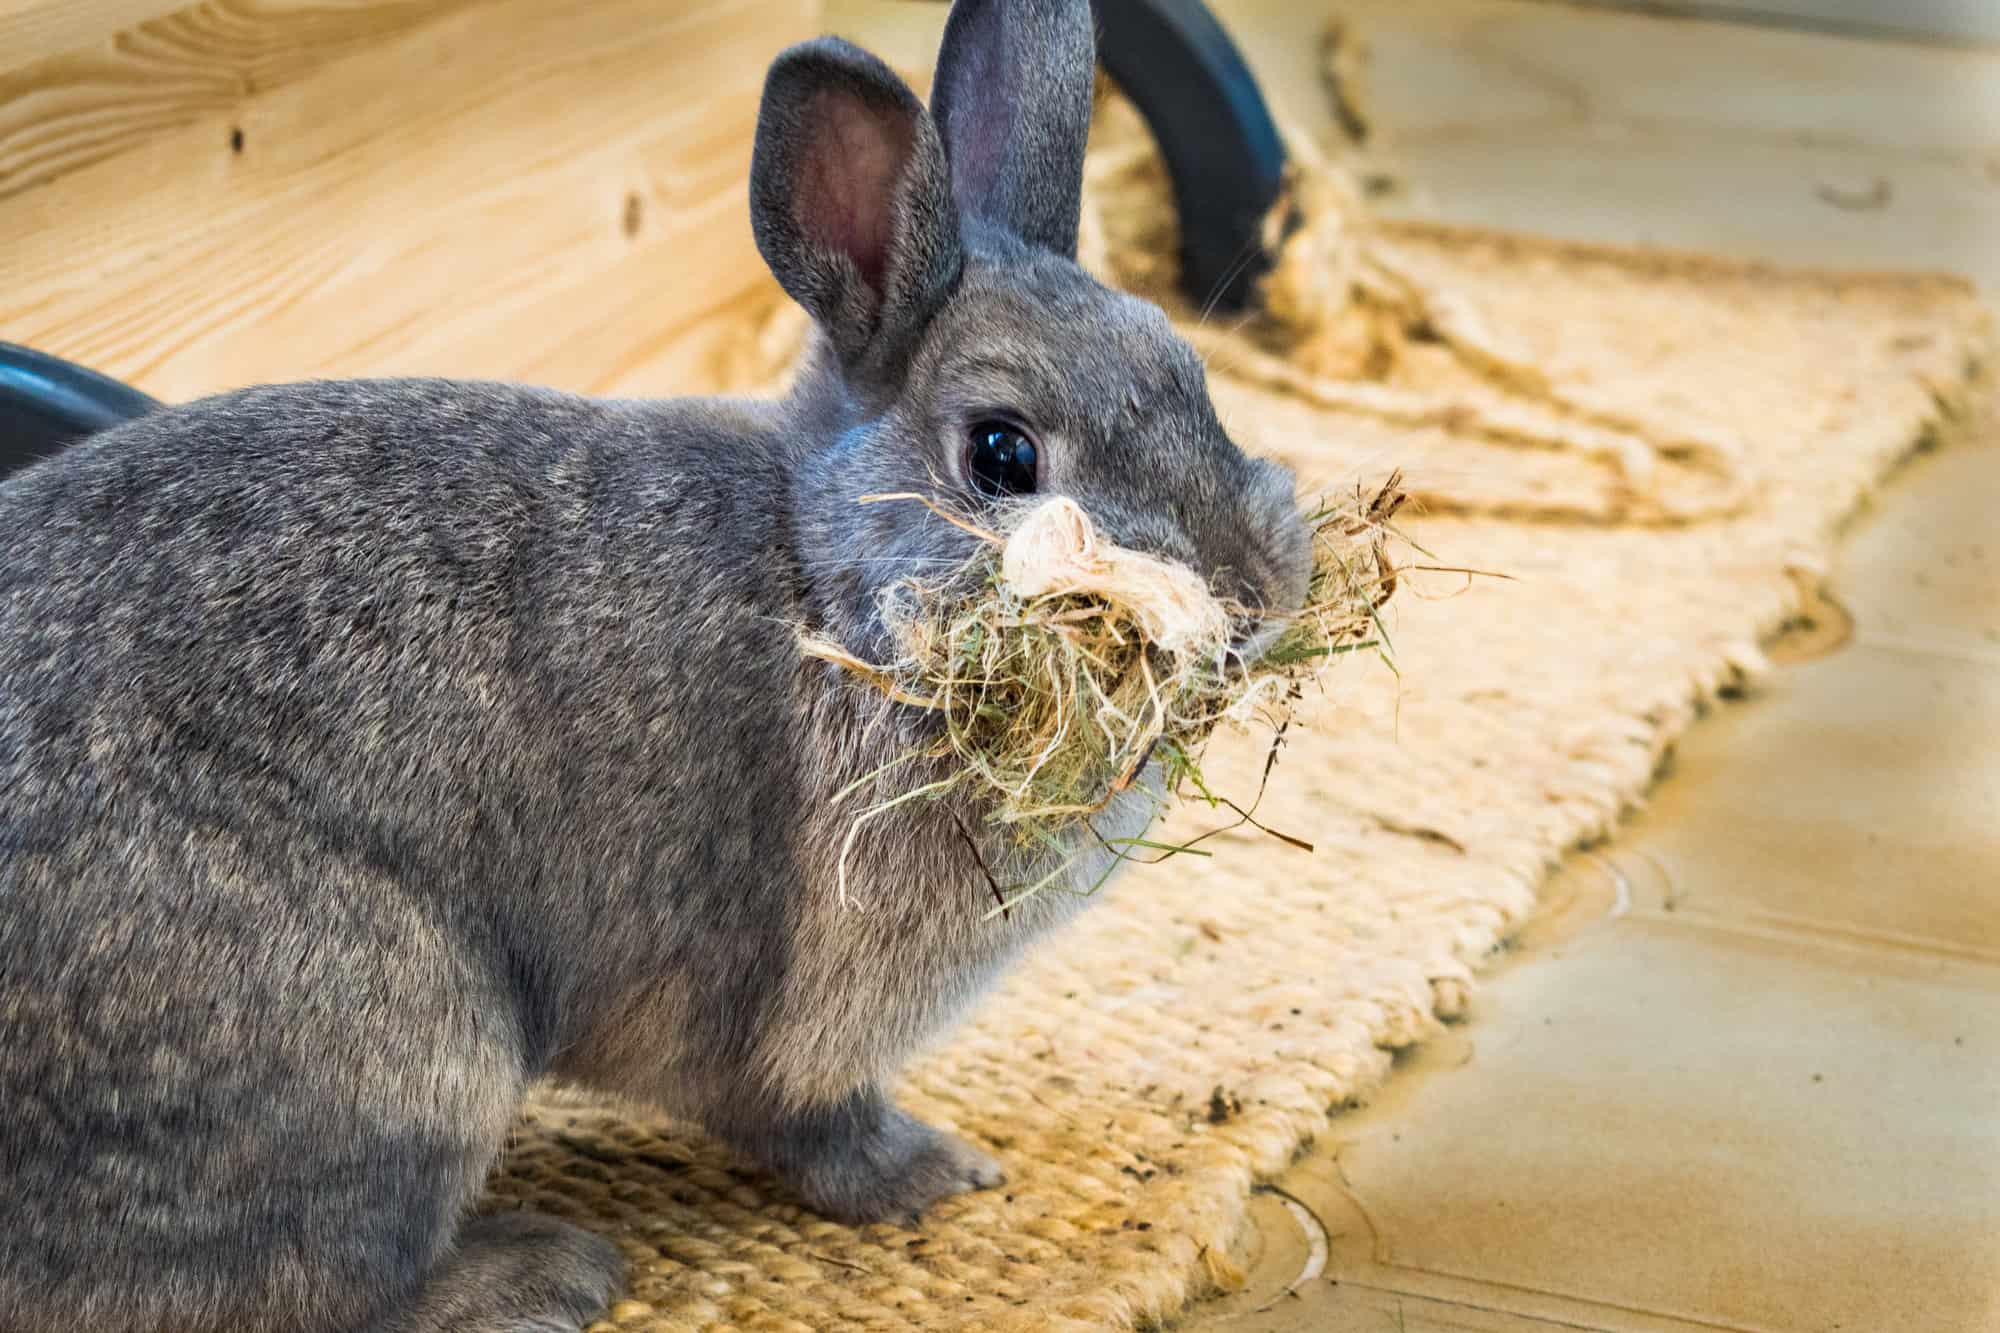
(1057,664)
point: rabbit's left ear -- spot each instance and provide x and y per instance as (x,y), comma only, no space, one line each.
(1012,103)
(850,197)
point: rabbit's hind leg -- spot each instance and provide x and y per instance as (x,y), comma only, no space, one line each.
(515,1273)
(241,1093)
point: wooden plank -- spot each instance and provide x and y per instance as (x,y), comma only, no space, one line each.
(520,190)
(77,106)
(32,30)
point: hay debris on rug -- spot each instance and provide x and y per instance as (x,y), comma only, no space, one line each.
(1058,664)
(1356,322)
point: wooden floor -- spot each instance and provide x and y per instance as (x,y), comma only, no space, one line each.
(1746,1073)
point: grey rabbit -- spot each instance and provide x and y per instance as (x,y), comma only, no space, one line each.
(372,750)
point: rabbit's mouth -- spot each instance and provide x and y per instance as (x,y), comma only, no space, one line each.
(1253,636)
(1261,609)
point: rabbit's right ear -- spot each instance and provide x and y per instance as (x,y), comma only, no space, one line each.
(850,197)
(1012,99)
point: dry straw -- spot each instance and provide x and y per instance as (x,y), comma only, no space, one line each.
(1057,665)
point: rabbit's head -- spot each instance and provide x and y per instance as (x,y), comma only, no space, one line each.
(962,353)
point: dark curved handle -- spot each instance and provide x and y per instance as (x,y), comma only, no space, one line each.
(1221,148)
(46,403)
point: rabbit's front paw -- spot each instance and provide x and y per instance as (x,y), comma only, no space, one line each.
(882,1165)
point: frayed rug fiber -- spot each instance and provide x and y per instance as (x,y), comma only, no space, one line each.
(1143,1070)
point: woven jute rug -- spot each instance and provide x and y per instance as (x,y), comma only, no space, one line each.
(1710,427)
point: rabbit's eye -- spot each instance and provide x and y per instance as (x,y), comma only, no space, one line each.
(1000,459)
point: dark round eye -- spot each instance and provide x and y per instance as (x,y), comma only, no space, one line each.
(1000,459)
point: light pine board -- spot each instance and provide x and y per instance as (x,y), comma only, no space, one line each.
(31,30)
(96,93)
(509,189)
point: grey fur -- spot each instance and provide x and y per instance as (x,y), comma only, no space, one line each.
(370,750)
(1022,173)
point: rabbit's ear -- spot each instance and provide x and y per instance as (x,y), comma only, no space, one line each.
(850,195)
(1012,99)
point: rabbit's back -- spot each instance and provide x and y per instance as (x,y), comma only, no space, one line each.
(288,542)
(350,593)
(287,609)
(275,544)
(487,641)
(305,695)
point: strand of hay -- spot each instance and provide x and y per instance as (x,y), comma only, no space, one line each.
(1057,665)
(1635,494)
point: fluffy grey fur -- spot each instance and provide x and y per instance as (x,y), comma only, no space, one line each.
(370,750)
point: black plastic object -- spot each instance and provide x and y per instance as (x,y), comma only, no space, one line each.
(46,403)
(1215,133)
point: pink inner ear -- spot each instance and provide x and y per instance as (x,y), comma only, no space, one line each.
(846,197)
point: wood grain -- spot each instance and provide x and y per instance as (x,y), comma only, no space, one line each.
(83,103)
(32,30)
(517,190)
